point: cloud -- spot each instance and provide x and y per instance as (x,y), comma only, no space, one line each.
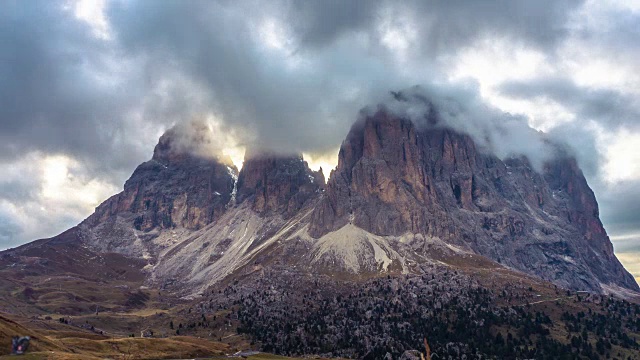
(460,107)
(442,26)
(201,137)
(620,208)
(42,195)
(607,107)
(328,58)
(629,243)
(51,96)
(9,231)
(281,105)
(67,91)
(56,96)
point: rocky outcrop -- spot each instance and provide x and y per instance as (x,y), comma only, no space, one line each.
(176,188)
(277,184)
(395,178)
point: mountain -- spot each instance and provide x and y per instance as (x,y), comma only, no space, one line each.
(417,216)
(175,189)
(394,179)
(402,194)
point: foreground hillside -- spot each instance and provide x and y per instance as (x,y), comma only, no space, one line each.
(59,341)
(465,313)
(52,340)
(468,313)
(464,304)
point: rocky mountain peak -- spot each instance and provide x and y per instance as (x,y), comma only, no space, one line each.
(396,178)
(277,183)
(192,141)
(181,186)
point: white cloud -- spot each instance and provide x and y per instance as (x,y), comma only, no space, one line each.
(60,195)
(93,13)
(493,62)
(622,155)
(397,32)
(274,35)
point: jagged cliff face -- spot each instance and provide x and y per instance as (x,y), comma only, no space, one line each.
(178,191)
(394,178)
(181,197)
(277,184)
(173,189)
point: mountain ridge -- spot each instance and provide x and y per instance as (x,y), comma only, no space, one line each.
(402,194)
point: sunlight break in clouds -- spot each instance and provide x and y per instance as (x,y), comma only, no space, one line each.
(623,156)
(92,12)
(631,262)
(62,194)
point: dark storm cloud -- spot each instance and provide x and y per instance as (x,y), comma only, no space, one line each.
(66,91)
(19,190)
(216,45)
(443,26)
(48,99)
(303,109)
(319,23)
(538,23)
(610,108)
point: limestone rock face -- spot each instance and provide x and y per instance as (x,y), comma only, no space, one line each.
(174,189)
(277,184)
(395,178)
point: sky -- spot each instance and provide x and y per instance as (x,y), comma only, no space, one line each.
(87,88)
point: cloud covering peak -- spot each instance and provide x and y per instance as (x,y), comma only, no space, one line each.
(460,107)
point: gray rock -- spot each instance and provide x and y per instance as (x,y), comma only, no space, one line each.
(410,355)
(394,178)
